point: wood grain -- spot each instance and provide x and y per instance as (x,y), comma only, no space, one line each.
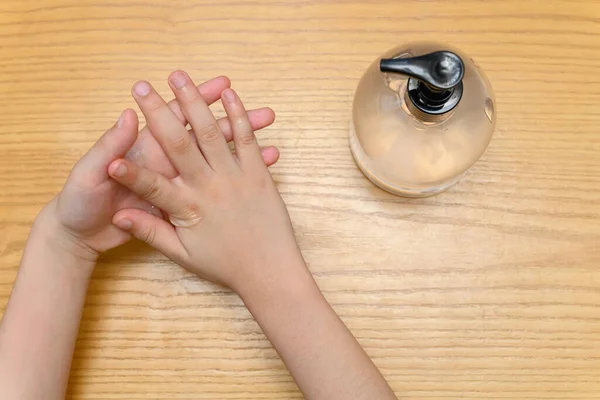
(488,291)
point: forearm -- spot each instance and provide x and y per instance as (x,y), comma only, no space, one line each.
(39,327)
(324,358)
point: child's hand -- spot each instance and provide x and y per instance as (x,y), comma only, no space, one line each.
(228,222)
(83,211)
(146,151)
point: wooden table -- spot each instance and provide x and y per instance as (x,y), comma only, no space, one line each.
(488,291)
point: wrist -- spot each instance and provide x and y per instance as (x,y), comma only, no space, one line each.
(289,282)
(53,236)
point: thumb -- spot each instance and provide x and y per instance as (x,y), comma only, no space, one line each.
(153,230)
(93,166)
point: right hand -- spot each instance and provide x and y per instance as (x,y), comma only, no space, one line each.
(228,222)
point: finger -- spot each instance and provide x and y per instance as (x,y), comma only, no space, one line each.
(270,155)
(259,119)
(146,148)
(146,152)
(246,146)
(92,168)
(140,204)
(153,230)
(210,91)
(169,132)
(201,119)
(149,185)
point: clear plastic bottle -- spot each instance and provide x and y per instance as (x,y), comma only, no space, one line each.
(414,147)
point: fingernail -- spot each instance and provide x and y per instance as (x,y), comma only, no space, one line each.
(124,224)
(121,170)
(229,95)
(142,88)
(178,79)
(121,120)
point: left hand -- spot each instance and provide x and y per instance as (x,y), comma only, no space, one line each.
(83,210)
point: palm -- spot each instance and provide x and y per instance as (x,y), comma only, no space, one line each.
(87,203)
(87,211)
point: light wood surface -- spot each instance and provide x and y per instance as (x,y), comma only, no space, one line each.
(489,291)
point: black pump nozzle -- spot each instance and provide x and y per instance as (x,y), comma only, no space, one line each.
(441,70)
(438,75)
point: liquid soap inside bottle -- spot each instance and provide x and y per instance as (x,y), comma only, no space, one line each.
(418,141)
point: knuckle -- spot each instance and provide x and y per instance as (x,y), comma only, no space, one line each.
(247,139)
(208,134)
(148,235)
(180,144)
(186,215)
(153,108)
(190,212)
(152,190)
